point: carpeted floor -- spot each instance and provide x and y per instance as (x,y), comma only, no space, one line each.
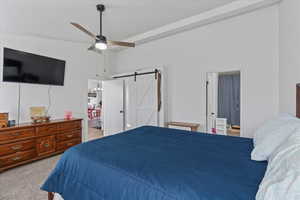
(23,183)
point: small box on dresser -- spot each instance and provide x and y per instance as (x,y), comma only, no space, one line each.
(3,120)
(30,142)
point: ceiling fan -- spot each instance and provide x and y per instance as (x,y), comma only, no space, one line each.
(101,43)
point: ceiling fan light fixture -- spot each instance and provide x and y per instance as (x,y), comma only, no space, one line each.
(101,46)
(101,43)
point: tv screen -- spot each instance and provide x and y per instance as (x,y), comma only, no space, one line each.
(30,68)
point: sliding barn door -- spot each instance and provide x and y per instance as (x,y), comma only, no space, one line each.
(141,101)
(113,106)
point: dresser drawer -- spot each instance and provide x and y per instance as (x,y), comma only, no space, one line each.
(47,130)
(45,145)
(7,136)
(69,125)
(76,134)
(17,157)
(61,146)
(6,149)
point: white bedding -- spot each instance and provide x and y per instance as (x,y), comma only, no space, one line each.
(272,134)
(282,178)
(58,197)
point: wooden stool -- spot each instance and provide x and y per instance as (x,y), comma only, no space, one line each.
(192,126)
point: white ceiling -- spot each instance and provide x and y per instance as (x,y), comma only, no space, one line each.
(122,19)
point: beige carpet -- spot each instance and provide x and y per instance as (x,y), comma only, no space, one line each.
(23,183)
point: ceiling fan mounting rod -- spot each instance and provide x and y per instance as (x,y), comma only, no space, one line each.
(101,9)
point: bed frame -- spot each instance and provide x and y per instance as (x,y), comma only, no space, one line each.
(51,194)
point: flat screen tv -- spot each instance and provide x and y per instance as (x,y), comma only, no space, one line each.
(25,67)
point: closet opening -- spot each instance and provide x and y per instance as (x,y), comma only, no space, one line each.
(224,103)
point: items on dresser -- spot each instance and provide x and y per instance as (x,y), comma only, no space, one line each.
(68,115)
(3,120)
(39,115)
(11,123)
(26,143)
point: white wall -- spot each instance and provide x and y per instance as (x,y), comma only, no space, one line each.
(248,43)
(289,55)
(80,66)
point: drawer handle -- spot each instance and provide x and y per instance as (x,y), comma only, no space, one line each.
(46,145)
(16,158)
(70,144)
(17,147)
(16,134)
(69,136)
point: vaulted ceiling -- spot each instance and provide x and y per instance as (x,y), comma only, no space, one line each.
(122,19)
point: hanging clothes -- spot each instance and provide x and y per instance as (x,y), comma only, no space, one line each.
(229,98)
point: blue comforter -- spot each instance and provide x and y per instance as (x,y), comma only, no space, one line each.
(151,163)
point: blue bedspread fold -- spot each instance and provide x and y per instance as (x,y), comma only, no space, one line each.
(151,163)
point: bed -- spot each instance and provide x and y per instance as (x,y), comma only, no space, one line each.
(151,163)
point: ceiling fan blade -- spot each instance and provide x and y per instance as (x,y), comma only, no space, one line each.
(84,30)
(123,44)
(93,48)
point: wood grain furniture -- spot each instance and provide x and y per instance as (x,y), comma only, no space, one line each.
(30,142)
(192,126)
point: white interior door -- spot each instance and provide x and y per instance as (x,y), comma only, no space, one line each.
(141,101)
(113,106)
(212,99)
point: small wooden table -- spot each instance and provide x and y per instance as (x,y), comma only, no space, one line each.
(192,126)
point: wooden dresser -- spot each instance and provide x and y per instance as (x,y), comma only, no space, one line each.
(30,142)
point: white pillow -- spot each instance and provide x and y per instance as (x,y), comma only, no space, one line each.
(270,126)
(273,133)
(282,178)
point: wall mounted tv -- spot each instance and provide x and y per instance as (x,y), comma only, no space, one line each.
(25,67)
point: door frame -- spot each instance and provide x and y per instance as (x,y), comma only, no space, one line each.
(85,127)
(242,90)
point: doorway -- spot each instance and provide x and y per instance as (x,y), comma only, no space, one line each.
(94,110)
(224,103)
